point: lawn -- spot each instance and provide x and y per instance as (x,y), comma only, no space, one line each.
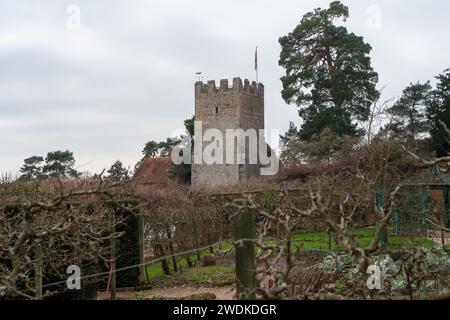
(220,275)
(215,275)
(305,241)
(319,240)
(155,270)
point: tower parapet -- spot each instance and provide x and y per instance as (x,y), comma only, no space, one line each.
(237,86)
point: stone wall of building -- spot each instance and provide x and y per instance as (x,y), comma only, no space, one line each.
(240,106)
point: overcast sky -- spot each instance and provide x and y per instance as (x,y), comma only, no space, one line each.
(124,75)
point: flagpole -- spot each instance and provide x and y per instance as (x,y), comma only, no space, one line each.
(256,64)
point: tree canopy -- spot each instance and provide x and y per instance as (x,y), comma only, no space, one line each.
(408,112)
(328,72)
(154,149)
(59,164)
(438,109)
(118,172)
(32,168)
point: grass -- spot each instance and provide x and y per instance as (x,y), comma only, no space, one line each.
(155,271)
(220,275)
(217,275)
(319,240)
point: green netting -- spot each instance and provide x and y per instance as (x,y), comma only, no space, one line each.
(420,200)
(411,211)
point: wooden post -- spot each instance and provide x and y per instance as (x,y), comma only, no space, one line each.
(189,261)
(113,281)
(171,248)
(210,240)
(113,260)
(329,240)
(142,269)
(244,228)
(38,272)
(194,226)
(447,207)
(423,210)
(383,237)
(159,249)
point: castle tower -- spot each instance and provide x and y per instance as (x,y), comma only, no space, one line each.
(240,106)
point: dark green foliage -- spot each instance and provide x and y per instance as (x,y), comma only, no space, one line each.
(166,147)
(328,73)
(439,110)
(32,168)
(189,125)
(325,147)
(408,112)
(291,134)
(183,170)
(154,149)
(127,249)
(151,149)
(118,172)
(162,149)
(337,119)
(60,164)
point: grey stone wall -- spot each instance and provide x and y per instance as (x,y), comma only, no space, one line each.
(240,106)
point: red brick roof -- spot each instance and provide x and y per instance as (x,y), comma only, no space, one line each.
(154,171)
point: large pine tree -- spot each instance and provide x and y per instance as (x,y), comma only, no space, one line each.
(328,73)
(438,111)
(408,112)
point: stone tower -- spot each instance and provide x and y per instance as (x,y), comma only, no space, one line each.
(240,106)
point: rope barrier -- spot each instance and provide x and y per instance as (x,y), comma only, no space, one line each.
(108,273)
(105,273)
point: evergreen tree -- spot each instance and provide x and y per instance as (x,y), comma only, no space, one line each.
(291,133)
(183,170)
(32,168)
(162,149)
(439,110)
(151,149)
(118,172)
(60,164)
(165,147)
(408,112)
(328,73)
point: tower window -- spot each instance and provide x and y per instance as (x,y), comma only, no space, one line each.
(217,110)
(251,110)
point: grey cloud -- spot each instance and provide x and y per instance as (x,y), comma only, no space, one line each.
(127,76)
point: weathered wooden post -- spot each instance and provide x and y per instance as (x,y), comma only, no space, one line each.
(447,206)
(142,269)
(171,248)
(196,242)
(113,260)
(113,280)
(379,203)
(38,271)
(423,210)
(329,240)
(244,233)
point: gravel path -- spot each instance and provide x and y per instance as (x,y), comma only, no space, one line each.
(221,293)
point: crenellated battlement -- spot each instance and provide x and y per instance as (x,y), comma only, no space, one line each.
(237,86)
